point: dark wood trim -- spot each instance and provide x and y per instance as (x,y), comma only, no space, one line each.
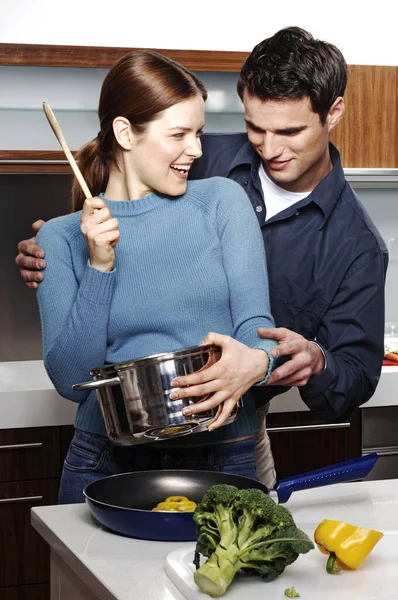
(35,168)
(16,155)
(24,161)
(102,57)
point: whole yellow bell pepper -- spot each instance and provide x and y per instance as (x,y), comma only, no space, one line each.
(346,545)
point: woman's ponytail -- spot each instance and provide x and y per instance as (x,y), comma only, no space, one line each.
(94,167)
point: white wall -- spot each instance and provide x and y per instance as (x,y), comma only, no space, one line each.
(364,31)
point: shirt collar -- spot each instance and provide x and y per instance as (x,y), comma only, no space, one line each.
(329,190)
(326,193)
(245,155)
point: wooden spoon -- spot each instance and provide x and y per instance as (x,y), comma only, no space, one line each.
(60,137)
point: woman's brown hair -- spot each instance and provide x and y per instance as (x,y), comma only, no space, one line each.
(139,86)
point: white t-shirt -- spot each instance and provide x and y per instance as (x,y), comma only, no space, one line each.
(276,198)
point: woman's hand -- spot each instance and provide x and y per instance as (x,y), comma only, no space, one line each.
(226,381)
(101,232)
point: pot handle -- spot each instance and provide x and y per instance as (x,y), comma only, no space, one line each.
(95,384)
(349,470)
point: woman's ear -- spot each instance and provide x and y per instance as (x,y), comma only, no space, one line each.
(123,132)
(335,113)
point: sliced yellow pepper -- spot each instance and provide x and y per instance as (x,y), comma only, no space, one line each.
(176,504)
(347,545)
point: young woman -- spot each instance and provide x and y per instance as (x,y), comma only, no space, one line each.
(152,264)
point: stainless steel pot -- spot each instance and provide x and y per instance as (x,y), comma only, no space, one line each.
(135,396)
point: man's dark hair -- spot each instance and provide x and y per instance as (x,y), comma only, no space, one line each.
(291,65)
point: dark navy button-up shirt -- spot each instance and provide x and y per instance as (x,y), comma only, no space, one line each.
(326,266)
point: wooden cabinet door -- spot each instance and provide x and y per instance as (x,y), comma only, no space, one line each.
(31,453)
(24,556)
(26,592)
(301,442)
(367,136)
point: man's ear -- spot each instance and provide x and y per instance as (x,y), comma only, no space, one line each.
(335,113)
(123,133)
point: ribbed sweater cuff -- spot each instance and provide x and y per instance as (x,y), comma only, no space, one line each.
(272,364)
(97,286)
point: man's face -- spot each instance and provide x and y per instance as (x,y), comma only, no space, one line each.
(290,139)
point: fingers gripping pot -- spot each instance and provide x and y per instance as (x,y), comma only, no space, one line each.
(135,396)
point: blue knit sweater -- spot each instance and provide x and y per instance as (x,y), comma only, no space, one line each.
(185,266)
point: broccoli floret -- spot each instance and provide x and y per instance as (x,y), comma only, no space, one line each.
(243,529)
(292,592)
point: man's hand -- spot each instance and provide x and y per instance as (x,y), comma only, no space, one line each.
(306,357)
(30,259)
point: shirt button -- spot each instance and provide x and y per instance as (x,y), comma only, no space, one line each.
(246,182)
(297,213)
(259,208)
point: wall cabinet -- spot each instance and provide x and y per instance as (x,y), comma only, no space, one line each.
(367,137)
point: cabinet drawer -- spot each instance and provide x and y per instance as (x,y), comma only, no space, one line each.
(24,556)
(379,427)
(386,466)
(32,453)
(26,592)
(301,442)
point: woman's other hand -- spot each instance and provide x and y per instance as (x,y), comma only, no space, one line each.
(226,381)
(101,232)
(30,259)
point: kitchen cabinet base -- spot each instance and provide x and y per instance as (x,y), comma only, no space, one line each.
(301,442)
(65,584)
(40,591)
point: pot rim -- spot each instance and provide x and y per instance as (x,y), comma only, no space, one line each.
(156,358)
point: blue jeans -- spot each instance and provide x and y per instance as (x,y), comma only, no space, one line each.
(91,457)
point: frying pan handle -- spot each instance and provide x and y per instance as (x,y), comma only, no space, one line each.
(95,384)
(350,470)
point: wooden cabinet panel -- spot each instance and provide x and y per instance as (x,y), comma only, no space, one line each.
(299,450)
(24,556)
(32,453)
(104,57)
(26,592)
(368,133)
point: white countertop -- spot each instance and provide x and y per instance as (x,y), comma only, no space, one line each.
(121,568)
(386,394)
(28,398)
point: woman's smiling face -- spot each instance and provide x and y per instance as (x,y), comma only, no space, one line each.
(161,157)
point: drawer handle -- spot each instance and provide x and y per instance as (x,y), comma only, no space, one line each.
(383,451)
(21,446)
(20,500)
(308,427)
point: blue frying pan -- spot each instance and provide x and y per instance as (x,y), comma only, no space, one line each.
(123,503)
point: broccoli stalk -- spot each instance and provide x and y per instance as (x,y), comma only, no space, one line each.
(243,529)
(216,574)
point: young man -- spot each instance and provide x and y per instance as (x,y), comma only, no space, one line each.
(326,260)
